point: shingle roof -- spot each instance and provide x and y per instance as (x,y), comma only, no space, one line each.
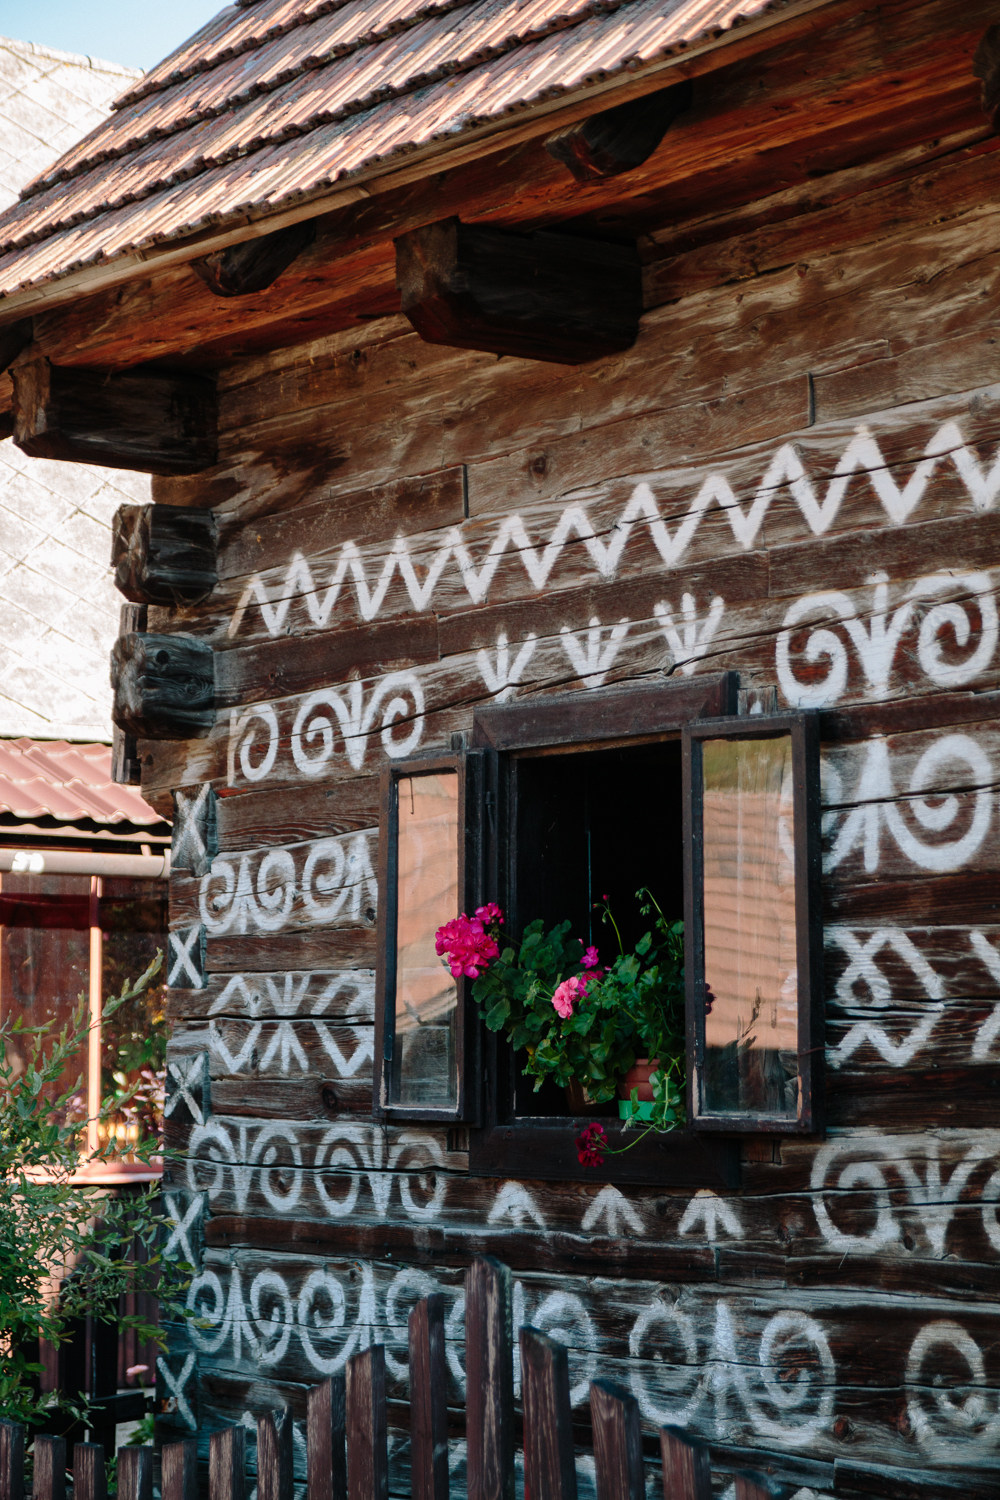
(275,102)
(58,780)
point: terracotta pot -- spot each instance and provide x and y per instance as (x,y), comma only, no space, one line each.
(578,1099)
(637,1078)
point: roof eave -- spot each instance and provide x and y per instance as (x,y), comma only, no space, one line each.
(546,114)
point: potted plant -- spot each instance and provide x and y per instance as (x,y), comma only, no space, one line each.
(595,1032)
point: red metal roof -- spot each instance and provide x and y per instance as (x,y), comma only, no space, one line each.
(276,102)
(40,778)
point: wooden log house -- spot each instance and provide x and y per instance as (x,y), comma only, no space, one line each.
(541,397)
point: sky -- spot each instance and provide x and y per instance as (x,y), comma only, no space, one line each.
(135,33)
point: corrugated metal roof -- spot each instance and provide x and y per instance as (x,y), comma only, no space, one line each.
(270,105)
(50,778)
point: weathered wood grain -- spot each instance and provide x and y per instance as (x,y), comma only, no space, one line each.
(274,1455)
(227,1463)
(326,1440)
(179,1470)
(12,1460)
(490,1380)
(550,1473)
(367,1452)
(428,1400)
(89,1479)
(685,1466)
(135,1473)
(49,1469)
(614,1420)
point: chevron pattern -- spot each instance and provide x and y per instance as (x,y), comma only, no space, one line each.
(785,472)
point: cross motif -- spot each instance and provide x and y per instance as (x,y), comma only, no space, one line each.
(183,1083)
(180,1227)
(187,958)
(176,1384)
(195,842)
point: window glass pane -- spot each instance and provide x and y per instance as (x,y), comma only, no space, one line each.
(45,960)
(751,1028)
(134,1039)
(424,1053)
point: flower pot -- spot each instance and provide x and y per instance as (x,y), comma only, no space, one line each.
(637,1078)
(578,1099)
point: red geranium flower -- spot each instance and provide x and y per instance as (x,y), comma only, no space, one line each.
(589,1144)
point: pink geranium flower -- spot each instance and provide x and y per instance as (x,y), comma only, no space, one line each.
(466,946)
(590,959)
(567,994)
(490,914)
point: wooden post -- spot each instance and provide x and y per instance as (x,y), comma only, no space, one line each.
(686,1473)
(757,1487)
(89,1479)
(489,1380)
(614,1417)
(11,1461)
(50,1468)
(428,1401)
(326,1452)
(549,1468)
(367,1443)
(135,1474)
(227,1464)
(274,1455)
(179,1477)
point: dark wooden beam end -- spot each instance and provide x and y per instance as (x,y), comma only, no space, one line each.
(164,554)
(164,686)
(620,139)
(254,265)
(153,422)
(986,66)
(539,296)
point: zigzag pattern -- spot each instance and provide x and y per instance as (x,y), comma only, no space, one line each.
(784,471)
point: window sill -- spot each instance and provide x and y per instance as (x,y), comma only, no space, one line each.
(544,1148)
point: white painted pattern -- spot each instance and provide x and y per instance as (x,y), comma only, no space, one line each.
(333,879)
(965,761)
(293,993)
(895,1166)
(786,471)
(877,643)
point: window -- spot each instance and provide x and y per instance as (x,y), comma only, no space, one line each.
(422,1032)
(564,802)
(63,936)
(752,924)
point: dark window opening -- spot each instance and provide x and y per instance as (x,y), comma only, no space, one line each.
(591,824)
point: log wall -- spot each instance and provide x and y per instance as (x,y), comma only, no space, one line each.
(794,475)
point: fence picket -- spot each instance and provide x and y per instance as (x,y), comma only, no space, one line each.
(11,1461)
(179,1470)
(89,1479)
(428,1401)
(49,1480)
(135,1474)
(686,1471)
(227,1464)
(549,1467)
(489,1380)
(614,1417)
(756,1487)
(367,1441)
(274,1455)
(326,1450)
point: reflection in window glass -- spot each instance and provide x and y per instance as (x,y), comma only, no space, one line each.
(751,1028)
(424,1053)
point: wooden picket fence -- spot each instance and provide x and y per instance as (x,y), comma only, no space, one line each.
(346,1429)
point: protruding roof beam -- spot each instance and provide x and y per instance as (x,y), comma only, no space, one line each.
(620,139)
(540,296)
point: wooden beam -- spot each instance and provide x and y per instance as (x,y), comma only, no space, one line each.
(164,686)
(150,421)
(254,265)
(13,338)
(164,554)
(986,66)
(540,296)
(620,139)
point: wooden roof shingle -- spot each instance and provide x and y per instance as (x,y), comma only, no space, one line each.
(274,103)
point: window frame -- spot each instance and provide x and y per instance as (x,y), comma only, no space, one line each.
(803,729)
(543,1147)
(467,1049)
